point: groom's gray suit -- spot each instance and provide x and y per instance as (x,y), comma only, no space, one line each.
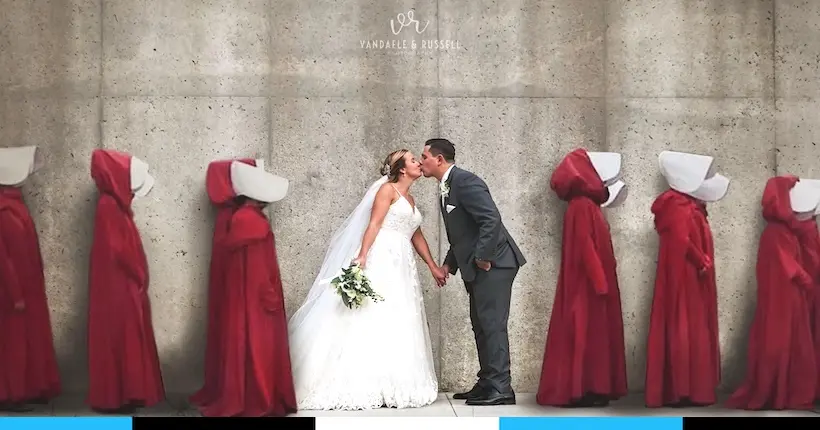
(475,232)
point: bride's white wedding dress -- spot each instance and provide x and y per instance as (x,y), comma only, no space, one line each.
(376,355)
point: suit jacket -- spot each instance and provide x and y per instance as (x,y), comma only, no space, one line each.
(474,227)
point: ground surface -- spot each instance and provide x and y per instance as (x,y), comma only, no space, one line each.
(445,406)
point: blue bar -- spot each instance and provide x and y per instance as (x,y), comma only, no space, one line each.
(591,423)
(66,423)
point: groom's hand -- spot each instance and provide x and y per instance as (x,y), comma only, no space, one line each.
(441,275)
(483,265)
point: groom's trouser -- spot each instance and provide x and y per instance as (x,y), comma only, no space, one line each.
(490,294)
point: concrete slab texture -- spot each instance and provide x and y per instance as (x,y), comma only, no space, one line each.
(324,89)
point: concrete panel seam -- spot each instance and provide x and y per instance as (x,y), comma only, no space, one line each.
(269,86)
(101,84)
(774,84)
(467,97)
(438,52)
(605,56)
(441,235)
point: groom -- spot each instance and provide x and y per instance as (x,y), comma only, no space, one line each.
(488,258)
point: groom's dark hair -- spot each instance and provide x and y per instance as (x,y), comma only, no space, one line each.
(443,147)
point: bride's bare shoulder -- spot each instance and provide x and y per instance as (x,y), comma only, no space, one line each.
(386,192)
(385,188)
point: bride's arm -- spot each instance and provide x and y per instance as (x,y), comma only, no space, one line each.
(422,248)
(384,198)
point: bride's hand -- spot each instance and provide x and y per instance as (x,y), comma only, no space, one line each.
(360,261)
(439,274)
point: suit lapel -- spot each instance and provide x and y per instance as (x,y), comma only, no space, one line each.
(446,199)
(441,208)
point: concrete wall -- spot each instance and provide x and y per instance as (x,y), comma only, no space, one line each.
(182,83)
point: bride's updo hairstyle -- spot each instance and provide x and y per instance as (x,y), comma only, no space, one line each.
(393,165)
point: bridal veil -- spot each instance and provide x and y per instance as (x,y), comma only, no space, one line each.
(343,247)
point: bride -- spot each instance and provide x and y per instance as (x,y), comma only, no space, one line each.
(379,354)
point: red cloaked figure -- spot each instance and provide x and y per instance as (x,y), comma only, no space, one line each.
(220,192)
(124,369)
(584,358)
(809,237)
(256,379)
(28,365)
(781,367)
(683,349)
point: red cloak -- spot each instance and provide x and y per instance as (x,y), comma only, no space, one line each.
(124,368)
(28,364)
(781,370)
(220,191)
(683,349)
(256,370)
(810,250)
(584,357)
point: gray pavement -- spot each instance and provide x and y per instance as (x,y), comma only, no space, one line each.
(445,406)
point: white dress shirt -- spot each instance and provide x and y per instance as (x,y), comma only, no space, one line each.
(444,179)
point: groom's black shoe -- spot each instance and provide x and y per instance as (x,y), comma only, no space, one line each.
(492,397)
(475,391)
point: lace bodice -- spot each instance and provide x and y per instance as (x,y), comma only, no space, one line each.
(402,217)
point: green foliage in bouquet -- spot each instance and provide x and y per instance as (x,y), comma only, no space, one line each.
(353,287)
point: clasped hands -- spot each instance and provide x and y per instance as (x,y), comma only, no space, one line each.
(442,273)
(707,266)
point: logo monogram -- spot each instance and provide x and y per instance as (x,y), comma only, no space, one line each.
(406,20)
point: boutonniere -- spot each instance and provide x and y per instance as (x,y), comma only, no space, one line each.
(444,187)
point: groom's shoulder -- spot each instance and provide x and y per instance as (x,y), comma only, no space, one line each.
(464,172)
(469,176)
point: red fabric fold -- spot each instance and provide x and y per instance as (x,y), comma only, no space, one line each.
(220,191)
(255,369)
(683,349)
(781,365)
(809,237)
(584,357)
(28,363)
(124,368)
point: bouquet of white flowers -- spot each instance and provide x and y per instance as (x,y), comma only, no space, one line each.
(353,287)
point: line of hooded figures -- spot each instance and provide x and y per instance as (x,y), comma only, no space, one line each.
(248,364)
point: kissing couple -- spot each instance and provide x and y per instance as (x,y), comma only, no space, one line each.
(379,355)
